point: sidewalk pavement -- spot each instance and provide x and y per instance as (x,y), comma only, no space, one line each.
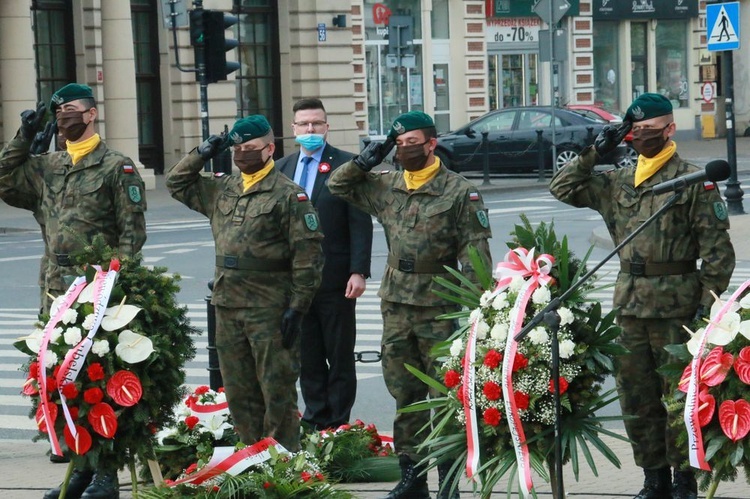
(28,472)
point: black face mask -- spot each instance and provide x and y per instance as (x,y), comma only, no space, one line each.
(412,157)
(649,141)
(71,124)
(249,161)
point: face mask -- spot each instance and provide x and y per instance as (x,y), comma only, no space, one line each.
(412,157)
(71,124)
(649,141)
(249,161)
(311,141)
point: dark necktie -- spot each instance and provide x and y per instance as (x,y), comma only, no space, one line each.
(303,178)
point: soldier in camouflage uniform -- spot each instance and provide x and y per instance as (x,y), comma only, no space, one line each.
(659,287)
(430,216)
(268,266)
(76,194)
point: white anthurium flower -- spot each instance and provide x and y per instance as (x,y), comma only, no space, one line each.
(133,347)
(34,340)
(745,329)
(745,301)
(87,294)
(718,304)
(456,347)
(694,341)
(166,432)
(566,316)
(725,330)
(119,316)
(216,424)
(55,305)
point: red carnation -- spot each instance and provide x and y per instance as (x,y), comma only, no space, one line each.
(73,413)
(491,390)
(95,371)
(69,391)
(319,476)
(522,400)
(563,385)
(191,421)
(493,359)
(51,384)
(305,476)
(114,265)
(220,390)
(267,485)
(519,362)
(201,390)
(452,378)
(34,370)
(491,416)
(93,395)
(460,394)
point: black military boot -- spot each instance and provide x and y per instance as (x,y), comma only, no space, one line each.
(657,485)
(103,486)
(445,479)
(412,484)
(684,485)
(79,480)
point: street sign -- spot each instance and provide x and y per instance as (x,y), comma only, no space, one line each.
(723,26)
(561,45)
(178,18)
(708,92)
(321,32)
(557,10)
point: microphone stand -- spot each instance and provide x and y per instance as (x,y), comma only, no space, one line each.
(551,318)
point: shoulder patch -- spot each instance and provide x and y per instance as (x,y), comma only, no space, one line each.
(484,221)
(709,185)
(311,221)
(474,196)
(720,210)
(302,196)
(134,193)
(128,169)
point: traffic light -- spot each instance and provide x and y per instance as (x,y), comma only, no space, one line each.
(196,28)
(216,45)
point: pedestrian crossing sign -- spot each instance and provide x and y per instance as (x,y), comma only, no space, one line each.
(723,26)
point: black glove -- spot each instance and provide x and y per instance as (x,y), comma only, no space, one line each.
(42,139)
(610,137)
(211,147)
(291,325)
(374,154)
(31,120)
(700,314)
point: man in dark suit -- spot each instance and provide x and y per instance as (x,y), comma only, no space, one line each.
(328,376)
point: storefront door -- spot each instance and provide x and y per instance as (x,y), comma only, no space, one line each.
(513,79)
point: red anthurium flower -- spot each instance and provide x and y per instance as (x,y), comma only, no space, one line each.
(742,365)
(734,417)
(70,391)
(492,359)
(51,384)
(522,400)
(125,388)
(81,443)
(452,378)
(73,413)
(93,395)
(191,421)
(201,390)
(41,422)
(706,407)
(491,390)
(519,362)
(34,370)
(95,371)
(30,386)
(563,385)
(320,477)
(103,420)
(491,416)
(114,264)
(715,367)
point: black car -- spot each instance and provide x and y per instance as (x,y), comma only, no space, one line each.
(513,140)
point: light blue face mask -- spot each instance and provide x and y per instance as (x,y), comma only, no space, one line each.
(311,141)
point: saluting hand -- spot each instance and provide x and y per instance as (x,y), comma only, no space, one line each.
(374,154)
(610,137)
(211,147)
(31,120)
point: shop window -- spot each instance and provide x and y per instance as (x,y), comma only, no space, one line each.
(671,61)
(606,65)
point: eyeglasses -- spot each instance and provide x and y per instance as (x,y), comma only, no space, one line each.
(305,124)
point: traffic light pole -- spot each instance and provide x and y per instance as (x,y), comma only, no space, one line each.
(733,191)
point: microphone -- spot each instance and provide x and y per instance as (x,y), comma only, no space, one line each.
(715,171)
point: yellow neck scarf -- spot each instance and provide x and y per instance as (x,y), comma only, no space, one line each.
(647,167)
(78,150)
(250,179)
(415,180)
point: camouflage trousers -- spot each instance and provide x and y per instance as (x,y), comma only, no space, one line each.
(409,333)
(641,389)
(259,374)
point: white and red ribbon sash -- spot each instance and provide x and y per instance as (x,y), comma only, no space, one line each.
(226,460)
(207,411)
(472,432)
(695,436)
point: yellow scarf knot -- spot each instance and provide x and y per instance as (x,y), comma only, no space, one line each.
(250,179)
(78,150)
(415,180)
(647,167)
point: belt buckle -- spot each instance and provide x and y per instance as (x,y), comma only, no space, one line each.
(231,262)
(63,260)
(406,265)
(637,268)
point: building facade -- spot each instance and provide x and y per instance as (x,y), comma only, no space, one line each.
(368,60)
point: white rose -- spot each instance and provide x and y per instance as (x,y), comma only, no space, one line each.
(484,300)
(88,322)
(72,336)
(482,329)
(538,336)
(567,347)
(541,296)
(566,316)
(475,315)
(69,316)
(500,302)
(55,335)
(499,331)
(100,348)
(456,347)
(50,359)
(516,284)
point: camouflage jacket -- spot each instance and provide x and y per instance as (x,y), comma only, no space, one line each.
(102,194)
(273,220)
(695,227)
(433,224)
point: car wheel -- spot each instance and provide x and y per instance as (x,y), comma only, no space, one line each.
(630,159)
(565,156)
(443,157)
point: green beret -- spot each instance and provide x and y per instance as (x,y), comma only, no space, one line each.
(647,106)
(69,93)
(249,128)
(413,120)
